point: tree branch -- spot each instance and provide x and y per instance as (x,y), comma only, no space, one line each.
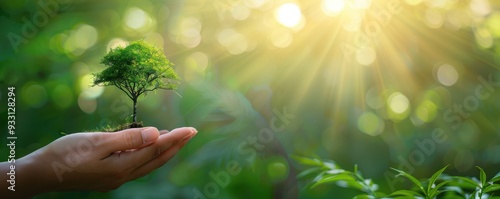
(124,90)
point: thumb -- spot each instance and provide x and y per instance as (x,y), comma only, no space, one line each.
(131,139)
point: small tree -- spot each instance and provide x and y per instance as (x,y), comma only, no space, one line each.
(136,70)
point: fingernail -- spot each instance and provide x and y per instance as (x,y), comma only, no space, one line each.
(190,136)
(149,135)
(193,130)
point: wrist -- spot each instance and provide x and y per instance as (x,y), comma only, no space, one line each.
(32,175)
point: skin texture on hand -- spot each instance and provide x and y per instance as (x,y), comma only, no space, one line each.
(95,161)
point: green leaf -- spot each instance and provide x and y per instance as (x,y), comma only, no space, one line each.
(435,190)
(461,180)
(491,188)
(437,193)
(353,184)
(405,193)
(308,161)
(329,164)
(495,178)
(335,171)
(411,178)
(308,172)
(320,176)
(363,196)
(357,173)
(400,197)
(333,178)
(434,178)
(379,194)
(482,176)
(474,193)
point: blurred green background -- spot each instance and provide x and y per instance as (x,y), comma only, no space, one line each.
(357,81)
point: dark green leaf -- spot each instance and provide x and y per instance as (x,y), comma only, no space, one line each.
(307,161)
(435,190)
(405,193)
(465,181)
(332,178)
(495,178)
(482,176)
(353,184)
(320,176)
(411,178)
(491,188)
(434,177)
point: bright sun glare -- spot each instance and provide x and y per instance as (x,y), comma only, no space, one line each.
(288,15)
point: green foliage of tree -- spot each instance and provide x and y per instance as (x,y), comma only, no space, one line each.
(137,69)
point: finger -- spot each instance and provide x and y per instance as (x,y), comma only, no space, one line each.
(160,160)
(139,157)
(163,132)
(129,139)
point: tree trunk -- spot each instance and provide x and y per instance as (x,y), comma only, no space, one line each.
(134,117)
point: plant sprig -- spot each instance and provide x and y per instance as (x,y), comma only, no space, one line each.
(439,185)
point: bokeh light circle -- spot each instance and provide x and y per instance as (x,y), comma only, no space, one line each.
(116,42)
(240,12)
(373,99)
(35,95)
(464,160)
(484,38)
(281,37)
(480,7)
(277,169)
(370,124)
(413,2)
(86,36)
(136,18)
(89,91)
(62,96)
(366,56)
(447,75)
(333,7)
(87,105)
(288,14)
(426,111)
(234,41)
(360,4)
(352,21)
(434,18)
(398,103)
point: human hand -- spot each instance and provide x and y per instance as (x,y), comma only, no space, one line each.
(98,161)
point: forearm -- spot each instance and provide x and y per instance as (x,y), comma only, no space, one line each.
(29,178)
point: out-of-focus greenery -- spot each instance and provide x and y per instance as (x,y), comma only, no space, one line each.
(380,84)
